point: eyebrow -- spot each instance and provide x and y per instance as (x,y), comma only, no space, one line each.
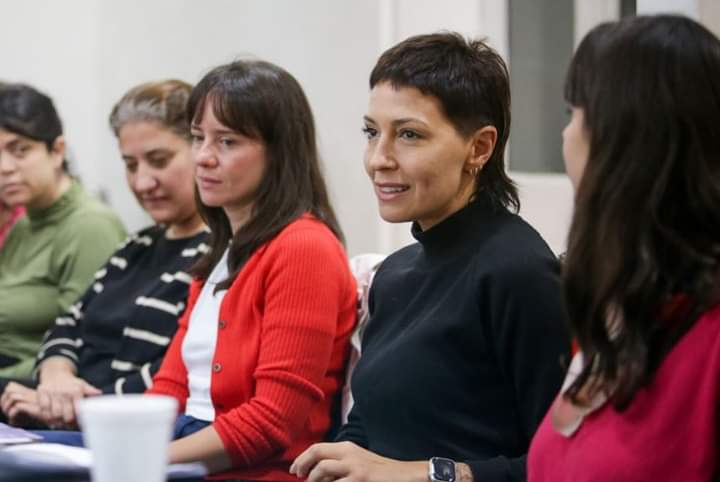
(150,153)
(216,131)
(397,122)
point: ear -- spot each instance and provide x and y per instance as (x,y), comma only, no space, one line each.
(482,146)
(58,151)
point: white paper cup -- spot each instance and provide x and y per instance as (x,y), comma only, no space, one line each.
(128,436)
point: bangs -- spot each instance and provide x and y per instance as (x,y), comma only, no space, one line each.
(230,107)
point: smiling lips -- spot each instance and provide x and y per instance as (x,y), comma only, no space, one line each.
(389,191)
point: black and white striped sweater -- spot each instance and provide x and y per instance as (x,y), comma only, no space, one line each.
(118,331)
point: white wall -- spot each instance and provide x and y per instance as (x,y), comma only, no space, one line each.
(329,46)
(86,53)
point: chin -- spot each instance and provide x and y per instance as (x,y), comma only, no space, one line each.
(392,216)
(210,201)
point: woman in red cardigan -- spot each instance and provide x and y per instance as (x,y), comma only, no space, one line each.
(260,352)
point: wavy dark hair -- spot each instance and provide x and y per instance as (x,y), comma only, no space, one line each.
(471,82)
(264,102)
(643,255)
(27,112)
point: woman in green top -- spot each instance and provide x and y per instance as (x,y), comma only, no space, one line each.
(49,257)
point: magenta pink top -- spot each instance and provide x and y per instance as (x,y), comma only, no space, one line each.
(17,213)
(669,432)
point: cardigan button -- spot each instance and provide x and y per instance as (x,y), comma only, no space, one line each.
(222,324)
(217,367)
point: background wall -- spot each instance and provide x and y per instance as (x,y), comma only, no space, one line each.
(87,53)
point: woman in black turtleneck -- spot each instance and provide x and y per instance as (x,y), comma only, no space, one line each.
(462,354)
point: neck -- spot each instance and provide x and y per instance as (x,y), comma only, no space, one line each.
(6,213)
(238,216)
(185,228)
(60,188)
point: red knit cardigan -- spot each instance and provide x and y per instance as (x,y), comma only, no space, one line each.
(281,350)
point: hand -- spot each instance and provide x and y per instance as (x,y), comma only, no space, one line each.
(56,399)
(19,404)
(346,462)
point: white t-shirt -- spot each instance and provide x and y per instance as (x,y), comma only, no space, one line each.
(198,347)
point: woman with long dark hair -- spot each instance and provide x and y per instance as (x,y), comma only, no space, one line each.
(260,353)
(642,273)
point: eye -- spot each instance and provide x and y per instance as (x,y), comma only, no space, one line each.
(369,132)
(226,142)
(131,166)
(160,158)
(409,134)
(19,150)
(196,138)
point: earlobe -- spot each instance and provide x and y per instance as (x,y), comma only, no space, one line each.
(482,148)
(58,150)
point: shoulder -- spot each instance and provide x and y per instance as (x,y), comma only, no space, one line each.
(401,258)
(89,212)
(307,234)
(513,249)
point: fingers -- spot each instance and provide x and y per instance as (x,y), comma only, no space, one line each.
(15,393)
(91,391)
(305,462)
(22,411)
(328,470)
(68,412)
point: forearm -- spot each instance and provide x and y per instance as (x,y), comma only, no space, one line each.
(204,446)
(498,469)
(55,367)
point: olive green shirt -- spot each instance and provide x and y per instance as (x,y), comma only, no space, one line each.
(47,262)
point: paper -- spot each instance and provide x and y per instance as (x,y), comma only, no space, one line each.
(11,435)
(70,458)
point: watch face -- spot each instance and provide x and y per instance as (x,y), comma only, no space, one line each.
(443,470)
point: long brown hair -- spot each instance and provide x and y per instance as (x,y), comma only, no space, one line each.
(645,236)
(264,102)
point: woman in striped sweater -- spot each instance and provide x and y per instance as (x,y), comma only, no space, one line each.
(113,339)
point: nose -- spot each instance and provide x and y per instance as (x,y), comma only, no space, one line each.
(145,179)
(203,155)
(379,155)
(7,165)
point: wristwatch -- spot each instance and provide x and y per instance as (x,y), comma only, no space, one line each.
(441,469)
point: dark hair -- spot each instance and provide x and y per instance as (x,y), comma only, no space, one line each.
(471,82)
(262,101)
(643,253)
(163,102)
(28,112)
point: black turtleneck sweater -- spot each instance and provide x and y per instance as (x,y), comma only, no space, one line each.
(462,355)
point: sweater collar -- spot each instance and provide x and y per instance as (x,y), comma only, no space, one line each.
(57,210)
(450,231)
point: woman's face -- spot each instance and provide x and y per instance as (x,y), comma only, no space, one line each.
(229,167)
(415,157)
(576,146)
(160,173)
(29,172)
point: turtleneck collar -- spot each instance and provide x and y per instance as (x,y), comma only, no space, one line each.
(450,231)
(57,210)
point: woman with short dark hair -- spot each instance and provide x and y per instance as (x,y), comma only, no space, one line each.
(49,257)
(641,401)
(461,355)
